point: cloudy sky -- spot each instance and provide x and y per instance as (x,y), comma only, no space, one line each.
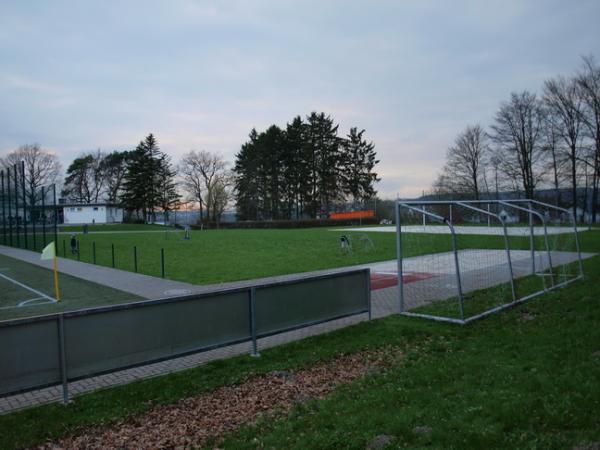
(81,75)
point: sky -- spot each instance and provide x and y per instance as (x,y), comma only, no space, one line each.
(76,76)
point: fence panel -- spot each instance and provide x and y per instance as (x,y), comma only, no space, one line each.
(122,337)
(29,355)
(286,306)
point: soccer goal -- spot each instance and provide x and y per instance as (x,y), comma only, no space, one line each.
(459,261)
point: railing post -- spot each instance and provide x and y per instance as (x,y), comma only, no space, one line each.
(112,251)
(369,292)
(252,298)
(162,262)
(63,358)
(94,252)
(135,267)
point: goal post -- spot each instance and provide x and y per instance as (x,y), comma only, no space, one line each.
(461,260)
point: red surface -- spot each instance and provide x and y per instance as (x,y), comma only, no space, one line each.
(382,281)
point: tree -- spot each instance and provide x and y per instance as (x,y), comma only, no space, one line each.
(465,162)
(168,197)
(563,100)
(589,83)
(142,188)
(357,164)
(516,135)
(85,178)
(41,168)
(114,166)
(203,173)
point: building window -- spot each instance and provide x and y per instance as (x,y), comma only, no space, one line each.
(95,208)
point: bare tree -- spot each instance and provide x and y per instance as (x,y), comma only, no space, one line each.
(564,101)
(588,80)
(554,154)
(202,173)
(465,162)
(516,135)
(41,168)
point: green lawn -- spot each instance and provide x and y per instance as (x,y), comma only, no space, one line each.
(524,378)
(76,293)
(214,256)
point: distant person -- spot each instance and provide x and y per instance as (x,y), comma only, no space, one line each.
(74,245)
(344,243)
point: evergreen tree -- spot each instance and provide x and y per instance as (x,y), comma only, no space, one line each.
(358,162)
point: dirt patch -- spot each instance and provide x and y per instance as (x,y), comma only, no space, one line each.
(191,421)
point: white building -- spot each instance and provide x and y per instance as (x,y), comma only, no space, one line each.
(92,213)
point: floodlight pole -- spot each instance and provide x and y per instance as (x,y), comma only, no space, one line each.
(24,204)
(3,209)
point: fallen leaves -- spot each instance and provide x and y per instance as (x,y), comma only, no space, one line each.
(191,421)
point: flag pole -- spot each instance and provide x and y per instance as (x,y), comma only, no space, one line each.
(56,290)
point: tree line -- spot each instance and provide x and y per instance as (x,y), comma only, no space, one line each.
(302,170)
(549,140)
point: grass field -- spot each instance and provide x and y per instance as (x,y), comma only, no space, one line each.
(21,282)
(524,378)
(215,256)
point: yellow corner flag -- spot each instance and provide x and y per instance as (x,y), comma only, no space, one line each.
(49,252)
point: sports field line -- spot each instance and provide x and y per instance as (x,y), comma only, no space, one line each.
(24,286)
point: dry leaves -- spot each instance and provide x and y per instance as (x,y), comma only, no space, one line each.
(191,421)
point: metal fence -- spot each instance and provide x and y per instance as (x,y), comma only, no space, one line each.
(28,213)
(459,261)
(59,348)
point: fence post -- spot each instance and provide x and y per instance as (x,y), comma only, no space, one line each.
(162,262)
(78,252)
(135,268)
(112,252)
(253,322)
(369,291)
(10,236)
(24,205)
(3,209)
(94,251)
(44,217)
(510,267)
(63,358)
(16,183)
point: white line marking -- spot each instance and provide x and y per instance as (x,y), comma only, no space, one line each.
(31,300)
(41,294)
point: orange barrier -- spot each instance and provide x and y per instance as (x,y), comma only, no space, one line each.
(366,214)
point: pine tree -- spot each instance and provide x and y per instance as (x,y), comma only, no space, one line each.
(357,164)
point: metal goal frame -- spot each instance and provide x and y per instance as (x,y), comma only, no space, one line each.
(532,208)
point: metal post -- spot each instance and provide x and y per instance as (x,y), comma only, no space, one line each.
(531,240)
(548,252)
(489,217)
(94,252)
(78,252)
(162,262)
(253,322)
(63,358)
(399,259)
(8,200)
(24,204)
(55,213)
(424,221)
(135,268)
(510,267)
(3,209)
(369,292)
(451,219)
(112,251)
(461,299)
(577,246)
(44,216)
(16,183)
